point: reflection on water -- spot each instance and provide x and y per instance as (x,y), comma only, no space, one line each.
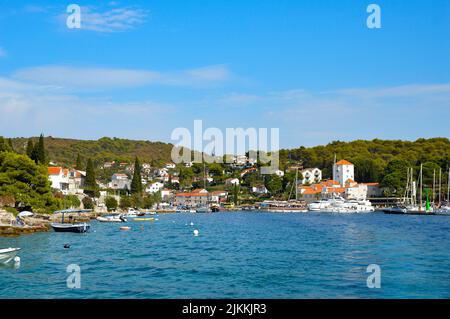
(238,255)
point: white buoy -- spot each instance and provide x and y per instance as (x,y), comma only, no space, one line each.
(16,262)
(196,232)
(192,224)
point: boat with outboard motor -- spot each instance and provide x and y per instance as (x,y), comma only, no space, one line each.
(8,254)
(71,227)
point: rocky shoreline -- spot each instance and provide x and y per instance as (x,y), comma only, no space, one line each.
(37,223)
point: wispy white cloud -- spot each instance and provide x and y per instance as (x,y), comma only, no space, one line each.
(110,19)
(27,109)
(74,78)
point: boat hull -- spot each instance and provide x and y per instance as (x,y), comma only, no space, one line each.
(71,228)
(6,255)
(111,220)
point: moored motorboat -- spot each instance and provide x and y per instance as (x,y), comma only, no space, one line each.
(131,213)
(71,227)
(395,210)
(112,219)
(8,254)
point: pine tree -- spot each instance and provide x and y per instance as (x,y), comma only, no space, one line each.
(10,143)
(30,147)
(39,151)
(79,164)
(90,184)
(235,194)
(136,182)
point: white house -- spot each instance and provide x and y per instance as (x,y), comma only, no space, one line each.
(59,178)
(343,171)
(65,180)
(154,187)
(261,189)
(120,181)
(232,181)
(311,175)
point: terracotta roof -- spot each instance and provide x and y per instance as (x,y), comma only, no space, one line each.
(191,195)
(336,190)
(199,190)
(371,184)
(218,192)
(329,183)
(54,170)
(343,162)
(310,191)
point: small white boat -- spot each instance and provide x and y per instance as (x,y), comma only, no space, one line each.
(8,254)
(112,219)
(132,213)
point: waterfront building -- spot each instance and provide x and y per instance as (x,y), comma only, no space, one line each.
(218,196)
(373,190)
(343,171)
(196,198)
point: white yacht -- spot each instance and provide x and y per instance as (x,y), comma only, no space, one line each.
(341,205)
(320,205)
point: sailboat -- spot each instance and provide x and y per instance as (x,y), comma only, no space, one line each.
(421,210)
(444,207)
(204,208)
(409,202)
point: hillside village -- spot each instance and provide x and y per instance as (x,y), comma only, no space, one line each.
(99,175)
(190,185)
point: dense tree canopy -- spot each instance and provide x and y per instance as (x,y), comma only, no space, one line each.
(27,182)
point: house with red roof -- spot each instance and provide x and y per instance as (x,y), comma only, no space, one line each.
(68,181)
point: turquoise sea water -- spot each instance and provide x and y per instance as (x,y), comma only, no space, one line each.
(239,255)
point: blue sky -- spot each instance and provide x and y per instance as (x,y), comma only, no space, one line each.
(139,69)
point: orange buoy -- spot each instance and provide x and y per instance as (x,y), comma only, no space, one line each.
(125,228)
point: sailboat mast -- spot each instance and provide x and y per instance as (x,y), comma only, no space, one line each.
(296,183)
(440,185)
(448,186)
(405,194)
(434,186)
(421,184)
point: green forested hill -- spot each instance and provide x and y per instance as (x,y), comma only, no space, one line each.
(383,161)
(65,151)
